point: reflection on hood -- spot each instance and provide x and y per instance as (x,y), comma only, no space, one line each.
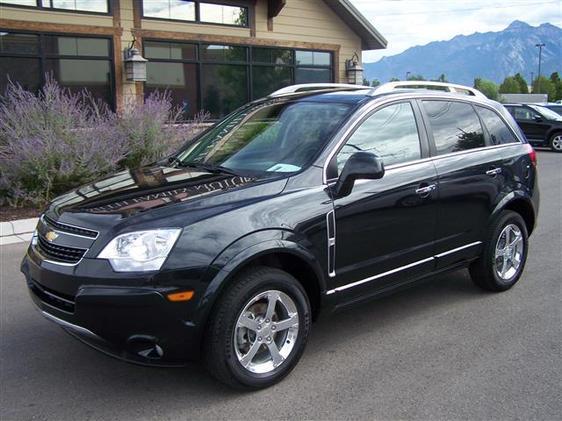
(133,191)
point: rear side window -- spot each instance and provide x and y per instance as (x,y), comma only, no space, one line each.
(455,126)
(390,133)
(498,130)
(521,113)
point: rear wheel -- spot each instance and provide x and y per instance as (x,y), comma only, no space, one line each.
(504,255)
(556,142)
(259,329)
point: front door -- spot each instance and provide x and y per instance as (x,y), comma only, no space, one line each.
(385,228)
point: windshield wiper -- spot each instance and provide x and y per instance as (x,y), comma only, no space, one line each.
(215,169)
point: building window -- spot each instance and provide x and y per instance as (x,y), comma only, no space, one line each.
(197,11)
(91,6)
(75,62)
(220,78)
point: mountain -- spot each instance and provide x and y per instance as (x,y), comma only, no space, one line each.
(490,55)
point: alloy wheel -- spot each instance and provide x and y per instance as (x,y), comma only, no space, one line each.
(509,252)
(557,142)
(266,331)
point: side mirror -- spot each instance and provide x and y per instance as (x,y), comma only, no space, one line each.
(537,118)
(359,166)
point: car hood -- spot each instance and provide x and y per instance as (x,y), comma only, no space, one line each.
(134,192)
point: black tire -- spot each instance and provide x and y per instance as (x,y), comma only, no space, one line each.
(555,138)
(483,271)
(220,355)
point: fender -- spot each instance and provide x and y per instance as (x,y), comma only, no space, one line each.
(511,197)
(247,248)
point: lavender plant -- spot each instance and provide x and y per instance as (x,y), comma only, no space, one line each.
(53,141)
(155,128)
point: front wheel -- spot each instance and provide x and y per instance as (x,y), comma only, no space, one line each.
(504,254)
(556,142)
(259,329)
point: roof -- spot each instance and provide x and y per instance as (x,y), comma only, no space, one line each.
(371,39)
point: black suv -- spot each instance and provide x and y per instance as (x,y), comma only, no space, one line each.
(296,204)
(542,126)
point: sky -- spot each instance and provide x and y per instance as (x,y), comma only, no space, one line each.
(406,23)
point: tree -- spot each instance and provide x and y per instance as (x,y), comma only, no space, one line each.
(557,82)
(375,83)
(394,79)
(487,87)
(543,85)
(366,82)
(523,86)
(441,78)
(510,86)
(416,77)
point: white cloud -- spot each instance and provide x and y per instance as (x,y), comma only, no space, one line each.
(406,23)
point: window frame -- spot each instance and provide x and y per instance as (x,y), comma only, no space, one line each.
(248,5)
(249,63)
(39,6)
(364,113)
(42,56)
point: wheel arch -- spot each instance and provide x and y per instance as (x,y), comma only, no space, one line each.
(281,250)
(521,204)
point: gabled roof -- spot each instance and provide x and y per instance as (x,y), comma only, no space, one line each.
(371,38)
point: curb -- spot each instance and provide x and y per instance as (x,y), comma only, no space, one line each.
(18,231)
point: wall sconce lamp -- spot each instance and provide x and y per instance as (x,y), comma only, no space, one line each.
(135,63)
(354,71)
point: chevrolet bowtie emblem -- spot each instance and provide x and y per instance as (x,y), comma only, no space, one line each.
(51,236)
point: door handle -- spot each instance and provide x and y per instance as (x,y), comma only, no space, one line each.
(425,191)
(493,172)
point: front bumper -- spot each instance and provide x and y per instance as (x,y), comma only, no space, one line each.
(134,323)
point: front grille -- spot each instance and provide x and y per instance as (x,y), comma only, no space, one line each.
(59,253)
(70,228)
(55,299)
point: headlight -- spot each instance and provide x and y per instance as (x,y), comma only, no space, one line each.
(140,250)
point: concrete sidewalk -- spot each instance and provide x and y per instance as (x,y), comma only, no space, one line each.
(18,231)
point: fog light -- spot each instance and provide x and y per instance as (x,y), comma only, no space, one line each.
(180,296)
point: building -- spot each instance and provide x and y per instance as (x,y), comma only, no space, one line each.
(212,55)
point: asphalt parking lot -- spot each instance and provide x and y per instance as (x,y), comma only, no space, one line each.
(441,350)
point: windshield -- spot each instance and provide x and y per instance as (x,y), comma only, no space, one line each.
(272,137)
(545,112)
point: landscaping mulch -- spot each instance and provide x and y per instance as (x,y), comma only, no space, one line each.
(8,213)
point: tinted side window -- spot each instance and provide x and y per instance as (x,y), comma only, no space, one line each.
(521,113)
(499,132)
(390,133)
(455,126)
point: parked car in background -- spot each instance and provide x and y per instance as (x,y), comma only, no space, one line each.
(303,202)
(557,108)
(541,125)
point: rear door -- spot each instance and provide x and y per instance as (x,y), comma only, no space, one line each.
(470,178)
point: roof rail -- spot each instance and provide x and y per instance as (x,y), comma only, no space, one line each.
(305,87)
(422,84)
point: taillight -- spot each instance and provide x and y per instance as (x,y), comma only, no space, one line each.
(532,154)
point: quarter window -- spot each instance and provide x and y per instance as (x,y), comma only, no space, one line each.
(390,133)
(455,126)
(499,132)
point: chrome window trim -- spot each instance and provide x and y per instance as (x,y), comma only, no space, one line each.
(372,107)
(401,268)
